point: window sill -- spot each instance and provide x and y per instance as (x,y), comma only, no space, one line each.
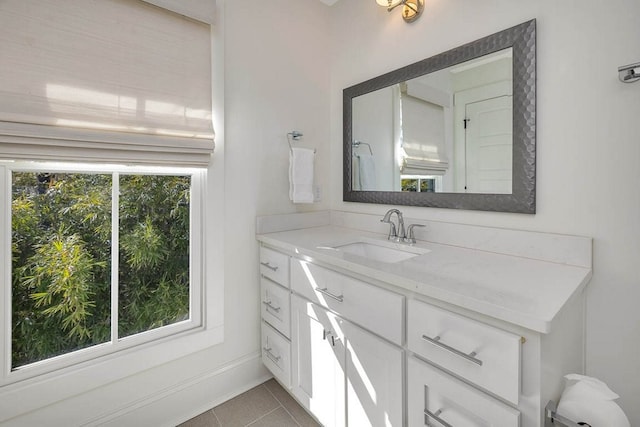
(56,386)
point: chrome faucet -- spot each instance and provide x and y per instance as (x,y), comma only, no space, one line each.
(396,234)
(399,234)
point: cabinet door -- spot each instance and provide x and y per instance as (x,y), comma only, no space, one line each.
(318,355)
(374,379)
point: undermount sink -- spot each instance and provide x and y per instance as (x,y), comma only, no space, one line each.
(380,251)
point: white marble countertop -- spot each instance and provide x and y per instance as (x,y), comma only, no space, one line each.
(522,291)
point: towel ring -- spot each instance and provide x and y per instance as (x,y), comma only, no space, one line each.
(356,144)
(295,136)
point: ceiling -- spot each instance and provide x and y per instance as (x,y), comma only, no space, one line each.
(329,2)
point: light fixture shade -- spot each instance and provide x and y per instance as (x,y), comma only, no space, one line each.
(412,9)
(389,4)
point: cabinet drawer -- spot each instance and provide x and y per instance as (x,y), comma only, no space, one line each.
(481,354)
(434,395)
(276,306)
(276,354)
(275,266)
(374,308)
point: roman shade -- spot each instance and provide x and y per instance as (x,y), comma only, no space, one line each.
(109,80)
(200,10)
(423,138)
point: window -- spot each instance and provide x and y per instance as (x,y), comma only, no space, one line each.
(102,258)
(423,184)
(131,93)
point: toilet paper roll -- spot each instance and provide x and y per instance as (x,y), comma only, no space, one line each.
(589,400)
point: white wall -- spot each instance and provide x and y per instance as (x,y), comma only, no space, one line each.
(277,81)
(588,140)
(275,61)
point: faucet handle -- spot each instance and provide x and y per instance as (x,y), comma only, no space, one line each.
(410,237)
(392,228)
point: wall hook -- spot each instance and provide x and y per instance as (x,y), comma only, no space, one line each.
(629,73)
(295,135)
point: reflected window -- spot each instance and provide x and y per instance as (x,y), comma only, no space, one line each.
(421,184)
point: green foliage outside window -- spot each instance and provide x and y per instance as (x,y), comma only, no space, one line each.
(424,185)
(61,259)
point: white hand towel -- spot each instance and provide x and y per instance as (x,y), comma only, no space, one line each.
(301,175)
(589,400)
(367,172)
(355,173)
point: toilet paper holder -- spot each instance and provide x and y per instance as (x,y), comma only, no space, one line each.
(552,418)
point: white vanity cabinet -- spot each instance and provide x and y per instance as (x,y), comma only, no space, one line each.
(453,337)
(331,354)
(275,302)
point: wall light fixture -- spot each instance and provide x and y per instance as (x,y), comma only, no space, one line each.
(629,73)
(411,9)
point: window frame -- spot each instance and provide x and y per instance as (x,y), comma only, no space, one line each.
(111,350)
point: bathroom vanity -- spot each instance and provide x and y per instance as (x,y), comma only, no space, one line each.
(363,331)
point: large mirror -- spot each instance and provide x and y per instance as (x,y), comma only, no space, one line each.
(456,130)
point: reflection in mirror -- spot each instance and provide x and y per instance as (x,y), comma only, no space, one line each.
(447,131)
(456,130)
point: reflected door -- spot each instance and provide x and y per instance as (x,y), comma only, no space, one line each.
(488,146)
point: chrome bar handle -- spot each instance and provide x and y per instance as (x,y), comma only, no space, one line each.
(326,333)
(270,355)
(324,291)
(269,266)
(470,357)
(271,306)
(428,414)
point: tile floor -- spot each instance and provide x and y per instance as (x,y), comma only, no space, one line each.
(266,405)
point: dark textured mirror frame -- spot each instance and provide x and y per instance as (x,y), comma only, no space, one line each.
(522,38)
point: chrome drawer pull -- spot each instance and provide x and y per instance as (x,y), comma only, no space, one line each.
(269,266)
(324,291)
(470,357)
(274,358)
(326,333)
(428,414)
(271,306)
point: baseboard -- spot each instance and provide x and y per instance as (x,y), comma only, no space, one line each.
(185,400)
